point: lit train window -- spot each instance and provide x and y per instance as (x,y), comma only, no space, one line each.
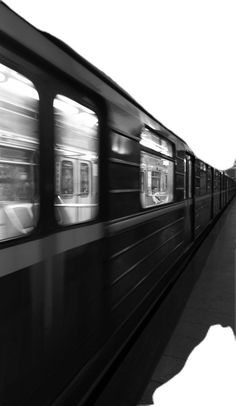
(157,180)
(157,170)
(76,156)
(19,147)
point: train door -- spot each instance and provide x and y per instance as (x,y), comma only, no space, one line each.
(79,268)
(189,193)
(84,190)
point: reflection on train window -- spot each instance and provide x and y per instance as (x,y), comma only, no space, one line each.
(76,156)
(66,178)
(84,178)
(157,180)
(19,146)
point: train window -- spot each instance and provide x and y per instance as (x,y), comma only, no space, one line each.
(19,148)
(157,170)
(157,180)
(76,152)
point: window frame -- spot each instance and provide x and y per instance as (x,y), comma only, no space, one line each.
(156,154)
(89,101)
(29,71)
(48,81)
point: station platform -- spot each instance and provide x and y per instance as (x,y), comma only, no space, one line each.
(203,296)
(211,302)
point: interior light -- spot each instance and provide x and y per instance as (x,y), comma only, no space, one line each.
(89,156)
(165,162)
(150,144)
(89,120)
(86,110)
(19,88)
(84,115)
(65,106)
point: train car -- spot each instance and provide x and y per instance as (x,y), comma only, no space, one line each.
(99,203)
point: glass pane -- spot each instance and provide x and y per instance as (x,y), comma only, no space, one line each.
(158,144)
(76,152)
(66,178)
(19,146)
(84,179)
(156,180)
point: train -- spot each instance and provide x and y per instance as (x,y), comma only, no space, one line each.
(99,203)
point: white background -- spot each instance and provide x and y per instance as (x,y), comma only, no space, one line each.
(177,58)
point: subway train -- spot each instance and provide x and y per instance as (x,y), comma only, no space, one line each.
(99,205)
